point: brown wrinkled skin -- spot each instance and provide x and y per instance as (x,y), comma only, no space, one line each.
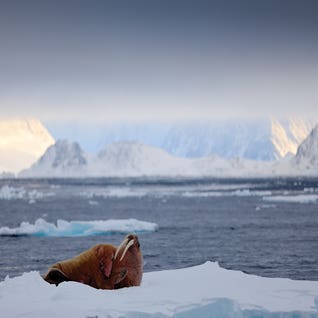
(98,267)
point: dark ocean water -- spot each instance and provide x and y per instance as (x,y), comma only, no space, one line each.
(232,221)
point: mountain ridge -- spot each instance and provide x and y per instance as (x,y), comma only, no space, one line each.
(137,158)
(307,153)
(133,159)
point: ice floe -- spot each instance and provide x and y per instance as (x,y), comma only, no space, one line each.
(300,198)
(202,291)
(236,193)
(79,228)
(20,193)
(265,206)
(116,192)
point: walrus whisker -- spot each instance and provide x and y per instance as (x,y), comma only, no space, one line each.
(120,246)
(130,243)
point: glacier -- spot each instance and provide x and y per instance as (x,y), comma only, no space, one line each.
(79,228)
(206,290)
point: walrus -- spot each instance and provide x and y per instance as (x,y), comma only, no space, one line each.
(103,266)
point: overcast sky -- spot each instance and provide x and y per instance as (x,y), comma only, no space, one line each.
(121,60)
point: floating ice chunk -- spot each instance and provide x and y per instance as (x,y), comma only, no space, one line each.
(93,202)
(309,190)
(265,206)
(301,198)
(114,192)
(9,193)
(239,193)
(20,193)
(248,192)
(203,194)
(79,228)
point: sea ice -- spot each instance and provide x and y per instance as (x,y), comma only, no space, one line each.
(9,193)
(116,192)
(202,291)
(248,192)
(238,193)
(20,193)
(301,198)
(79,228)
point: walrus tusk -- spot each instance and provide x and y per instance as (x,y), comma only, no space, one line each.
(120,246)
(130,243)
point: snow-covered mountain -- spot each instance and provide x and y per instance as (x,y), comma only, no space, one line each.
(267,139)
(262,139)
(307,153)
(126,159)
(22,142)
(131,159)
(67,159)
(64,159)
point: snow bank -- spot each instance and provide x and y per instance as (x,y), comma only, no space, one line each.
(201,291)
(79,228)
(301,198)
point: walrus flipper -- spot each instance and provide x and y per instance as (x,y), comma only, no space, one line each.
(119,277)
(55,276)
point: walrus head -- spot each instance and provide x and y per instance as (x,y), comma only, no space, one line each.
(127,263)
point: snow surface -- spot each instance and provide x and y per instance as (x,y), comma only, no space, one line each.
(79,228)
(202,291)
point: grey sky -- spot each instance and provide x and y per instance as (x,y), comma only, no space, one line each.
(119,60)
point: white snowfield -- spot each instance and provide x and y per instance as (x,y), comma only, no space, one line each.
(202,291)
